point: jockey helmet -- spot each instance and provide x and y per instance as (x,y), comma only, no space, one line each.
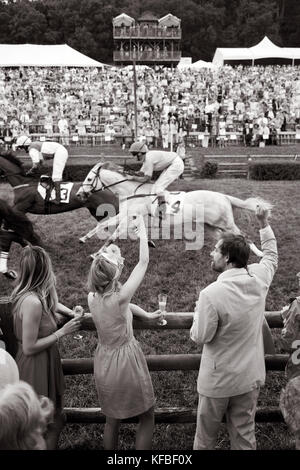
(138,147)
(23,141)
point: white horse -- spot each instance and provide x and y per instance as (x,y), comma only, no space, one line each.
(135,198)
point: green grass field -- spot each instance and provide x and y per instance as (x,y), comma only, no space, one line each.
(179,272)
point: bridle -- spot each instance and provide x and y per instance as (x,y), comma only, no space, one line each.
(98,178)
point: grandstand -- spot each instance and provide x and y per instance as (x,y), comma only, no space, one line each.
(252,106)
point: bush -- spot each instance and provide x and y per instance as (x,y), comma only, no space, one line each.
(76,172)
(275,171)
(209,170)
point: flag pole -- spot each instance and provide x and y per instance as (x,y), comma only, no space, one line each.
(135,101)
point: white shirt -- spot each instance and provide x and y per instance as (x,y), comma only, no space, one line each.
(157,160)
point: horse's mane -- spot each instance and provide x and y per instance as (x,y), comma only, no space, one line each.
(112,167)
(10,157)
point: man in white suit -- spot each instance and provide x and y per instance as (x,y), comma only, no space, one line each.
(228,322)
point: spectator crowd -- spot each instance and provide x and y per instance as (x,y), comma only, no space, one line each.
(256,102)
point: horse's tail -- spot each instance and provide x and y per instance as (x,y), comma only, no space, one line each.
(250,204)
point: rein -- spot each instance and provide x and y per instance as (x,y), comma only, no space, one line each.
(10,174)
(140,195)
(113,184)
(103,187)
(21,186)
(24,185)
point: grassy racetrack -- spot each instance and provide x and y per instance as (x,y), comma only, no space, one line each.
(180,272)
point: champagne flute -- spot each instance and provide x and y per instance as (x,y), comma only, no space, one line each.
(162,302)
(78,313)
(298,279)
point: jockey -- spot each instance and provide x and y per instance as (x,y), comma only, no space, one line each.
(40,150)
(169,163)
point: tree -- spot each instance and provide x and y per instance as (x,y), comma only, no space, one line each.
(289,23)
(83,41)
(27,25)
(206,24)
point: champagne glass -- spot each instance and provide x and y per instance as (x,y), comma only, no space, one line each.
(298,279)
(78,313)
(162,302)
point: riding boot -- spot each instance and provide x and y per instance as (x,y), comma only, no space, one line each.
(57,192)
(161,207)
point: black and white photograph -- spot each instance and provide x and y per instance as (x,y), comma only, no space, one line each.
(149,229)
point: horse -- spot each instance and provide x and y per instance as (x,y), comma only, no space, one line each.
(217,207)
(29,195)
(14,227)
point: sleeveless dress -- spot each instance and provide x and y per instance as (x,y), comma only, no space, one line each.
(43,370)
(121,373)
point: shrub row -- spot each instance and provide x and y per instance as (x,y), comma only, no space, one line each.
(260,171)
(257,171)
(209,170)
(275,171)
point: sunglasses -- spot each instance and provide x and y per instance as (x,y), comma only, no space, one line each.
(119,264)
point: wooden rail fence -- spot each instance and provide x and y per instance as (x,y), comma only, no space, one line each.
(164,362)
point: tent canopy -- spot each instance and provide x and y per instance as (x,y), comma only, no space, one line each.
(123,20)
(266,48)
(184,63)
(263,50)
(36,55)
(201,64)
(169,20)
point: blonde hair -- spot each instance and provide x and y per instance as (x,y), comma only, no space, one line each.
(36,275)
(102,276)
(23,418)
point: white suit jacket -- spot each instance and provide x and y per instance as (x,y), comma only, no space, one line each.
(228,322)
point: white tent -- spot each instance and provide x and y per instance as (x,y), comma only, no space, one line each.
(201,64)
(36,55)
(184,63)
(263,50)
(266,48)
(224,54)
(123,20)
(169,20)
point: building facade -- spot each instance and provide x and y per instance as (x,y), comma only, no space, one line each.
(148,40)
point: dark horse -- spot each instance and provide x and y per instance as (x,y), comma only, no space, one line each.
(27,198)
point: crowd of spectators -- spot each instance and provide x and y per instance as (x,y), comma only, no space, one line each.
(256,102)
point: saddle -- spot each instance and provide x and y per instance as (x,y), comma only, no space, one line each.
(54,192)
(47,183)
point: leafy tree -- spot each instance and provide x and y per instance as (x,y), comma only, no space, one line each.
(289,22)
(27,25)
(206,24)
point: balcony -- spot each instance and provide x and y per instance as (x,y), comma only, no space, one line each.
(137,32)
(147,56)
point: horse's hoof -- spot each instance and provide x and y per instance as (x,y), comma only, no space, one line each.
(82,240)
(12,275)
(151,244)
